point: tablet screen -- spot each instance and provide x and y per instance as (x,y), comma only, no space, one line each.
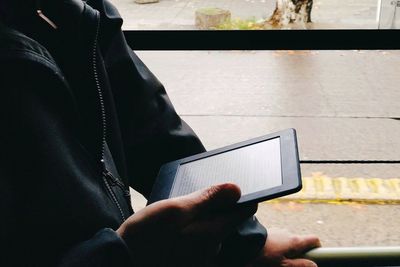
(253,168)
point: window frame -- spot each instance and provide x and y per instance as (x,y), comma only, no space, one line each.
(263,39)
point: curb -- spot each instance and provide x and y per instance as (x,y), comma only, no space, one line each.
(323,189)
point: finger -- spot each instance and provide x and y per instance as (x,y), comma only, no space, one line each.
(180,212)
(217,197)
(298,263)
(301,244)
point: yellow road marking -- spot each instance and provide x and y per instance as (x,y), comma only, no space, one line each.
(320,188)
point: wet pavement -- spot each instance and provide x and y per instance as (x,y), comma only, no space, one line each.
(344,105)
(350,225)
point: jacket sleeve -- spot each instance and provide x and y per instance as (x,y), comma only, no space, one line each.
(50,202)
(106,248)
(152,132)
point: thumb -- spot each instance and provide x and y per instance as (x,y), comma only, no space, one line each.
(218,197)
(302,244)
(298,263)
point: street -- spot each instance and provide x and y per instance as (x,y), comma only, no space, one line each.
(344,105)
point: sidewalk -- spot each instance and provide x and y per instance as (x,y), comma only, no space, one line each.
(344,105)
(179,14)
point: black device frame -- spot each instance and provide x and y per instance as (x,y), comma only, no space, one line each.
(290,169)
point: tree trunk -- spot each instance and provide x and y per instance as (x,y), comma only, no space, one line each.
(291,11)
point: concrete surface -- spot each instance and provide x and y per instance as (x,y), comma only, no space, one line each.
(344,105)
(336,225)
(179,14)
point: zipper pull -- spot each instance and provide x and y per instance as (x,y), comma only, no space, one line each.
(107,174)
(113,180)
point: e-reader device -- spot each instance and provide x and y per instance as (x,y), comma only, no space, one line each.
(264,168)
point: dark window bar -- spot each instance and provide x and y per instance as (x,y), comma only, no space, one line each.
(264,40)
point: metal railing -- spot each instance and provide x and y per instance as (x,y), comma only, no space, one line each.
(355,256)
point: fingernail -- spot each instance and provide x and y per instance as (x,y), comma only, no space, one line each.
(312,264)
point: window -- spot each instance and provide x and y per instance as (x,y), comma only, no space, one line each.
(344,105)
(234,85)
(258,14)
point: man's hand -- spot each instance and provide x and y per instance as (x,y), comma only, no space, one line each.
(284,249)
(184,231)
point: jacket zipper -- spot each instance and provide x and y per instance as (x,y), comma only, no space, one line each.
(115,181)
(105,174)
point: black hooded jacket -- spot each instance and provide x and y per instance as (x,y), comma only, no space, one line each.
(82,120)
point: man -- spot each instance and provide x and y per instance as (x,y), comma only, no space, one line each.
(83,119)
